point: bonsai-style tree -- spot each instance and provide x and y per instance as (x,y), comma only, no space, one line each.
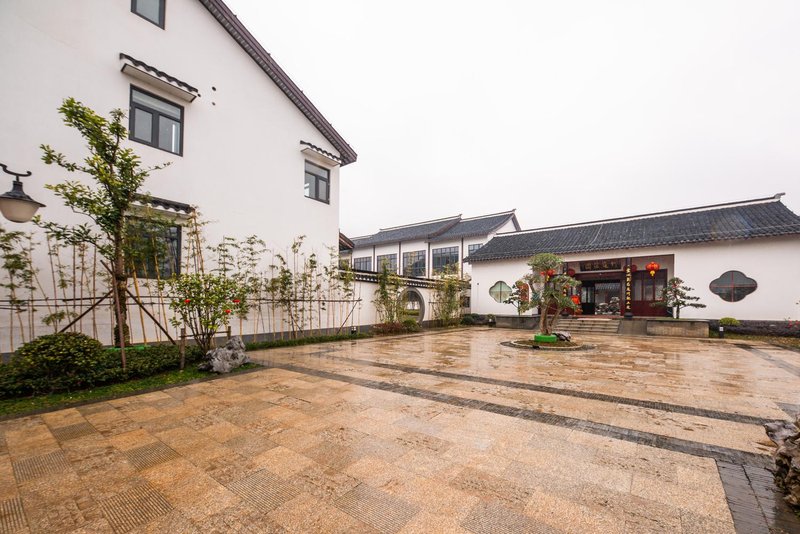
(118,177)
(676,296)
(520,297)
(549,289)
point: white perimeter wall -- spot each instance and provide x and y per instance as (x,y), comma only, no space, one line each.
(241,162)
(772,262)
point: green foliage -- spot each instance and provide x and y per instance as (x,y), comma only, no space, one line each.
(520,297)
(55,362)
(308,340)
(204,303)
(411,325)
(447,297)
(729,321)
(676,296)
(297,286)
(118,178)
(390,299)
(71,361)
(549,289)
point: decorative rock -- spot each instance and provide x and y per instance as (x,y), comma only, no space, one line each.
(563,336)
(787,458)
(226,358)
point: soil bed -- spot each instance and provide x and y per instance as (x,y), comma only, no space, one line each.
(557,345)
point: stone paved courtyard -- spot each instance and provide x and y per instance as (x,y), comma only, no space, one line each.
(442,432)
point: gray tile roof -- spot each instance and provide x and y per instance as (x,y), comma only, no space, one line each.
(746,220)
(439,230)
(477,226)
(411,232)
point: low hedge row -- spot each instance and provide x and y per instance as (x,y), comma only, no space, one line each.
(70,361)
(258,345)
(759,328)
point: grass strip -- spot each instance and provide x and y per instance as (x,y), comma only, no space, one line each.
(24,405)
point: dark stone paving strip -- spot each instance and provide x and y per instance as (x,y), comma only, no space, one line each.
(653,405)
(755,503)
(635,436)
(786,366)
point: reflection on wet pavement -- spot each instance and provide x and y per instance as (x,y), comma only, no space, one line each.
(440,432)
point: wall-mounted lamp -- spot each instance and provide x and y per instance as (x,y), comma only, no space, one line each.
(15,205)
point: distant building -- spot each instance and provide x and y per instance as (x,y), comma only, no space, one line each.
(741,258)
(426,248)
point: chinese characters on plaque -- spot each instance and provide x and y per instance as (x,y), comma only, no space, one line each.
(601,265)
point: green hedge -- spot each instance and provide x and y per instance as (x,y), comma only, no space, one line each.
(258,345)
(70,361)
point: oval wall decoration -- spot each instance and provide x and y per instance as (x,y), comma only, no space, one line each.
(733,286)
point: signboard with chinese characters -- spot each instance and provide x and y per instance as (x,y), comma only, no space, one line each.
(601,265)
(628,280)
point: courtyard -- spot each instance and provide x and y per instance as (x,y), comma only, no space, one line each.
(438,432)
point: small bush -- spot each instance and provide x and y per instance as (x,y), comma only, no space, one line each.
(468,320)
(56,362)
(386,329)
(258,345)
(729,321)
(411,325)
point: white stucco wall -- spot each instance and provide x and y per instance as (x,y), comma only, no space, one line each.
(241,163)
(772,262)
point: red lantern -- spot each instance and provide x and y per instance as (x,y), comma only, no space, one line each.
(551,272)
(652,267)
(634,268)
(570,272)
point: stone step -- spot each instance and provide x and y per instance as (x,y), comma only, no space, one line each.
(588,326)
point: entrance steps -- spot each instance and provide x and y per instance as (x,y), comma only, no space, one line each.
(588,325)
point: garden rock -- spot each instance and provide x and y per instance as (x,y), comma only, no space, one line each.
(563,336)
(787,458)
(226,358)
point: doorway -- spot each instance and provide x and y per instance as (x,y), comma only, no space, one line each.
(601,297)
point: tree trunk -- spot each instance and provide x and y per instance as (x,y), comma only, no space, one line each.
(121,295)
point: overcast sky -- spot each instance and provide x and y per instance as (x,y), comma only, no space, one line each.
(568,111)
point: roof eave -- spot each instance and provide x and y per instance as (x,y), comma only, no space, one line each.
(222,13)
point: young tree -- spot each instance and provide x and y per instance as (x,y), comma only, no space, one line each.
(549,289)
(446,303)
(118,176)
(676,296)
(389,298)
(520,297)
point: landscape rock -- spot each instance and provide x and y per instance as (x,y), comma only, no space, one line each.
(226,358)
(787,458)
(563,336)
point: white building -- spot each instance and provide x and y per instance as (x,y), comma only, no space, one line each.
(741,258)
(423,249)
(244,144)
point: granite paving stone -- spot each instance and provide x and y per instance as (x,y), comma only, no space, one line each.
(448,431)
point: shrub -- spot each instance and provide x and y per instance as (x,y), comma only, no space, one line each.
(56,362)
(729,321)
(411,325)
(155,359)
(468,320)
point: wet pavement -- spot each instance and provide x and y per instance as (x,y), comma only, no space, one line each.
(441,432)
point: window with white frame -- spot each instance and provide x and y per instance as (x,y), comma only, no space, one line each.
(473,248)
(156,122)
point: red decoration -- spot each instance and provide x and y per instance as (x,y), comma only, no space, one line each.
(634,268)
(551,272)
(227,311)
(236,301)
(576,299)
(187,301)
(652,267)
(570,272)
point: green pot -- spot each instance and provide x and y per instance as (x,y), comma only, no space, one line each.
(542,338)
